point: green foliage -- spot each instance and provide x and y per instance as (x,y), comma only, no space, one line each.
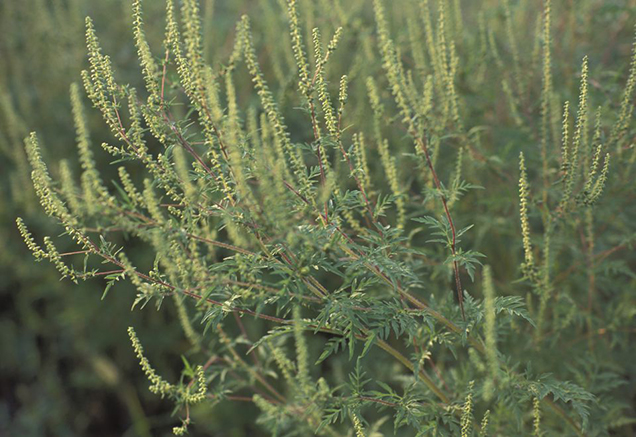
(310,216)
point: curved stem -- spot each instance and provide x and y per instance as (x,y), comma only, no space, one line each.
(423,376)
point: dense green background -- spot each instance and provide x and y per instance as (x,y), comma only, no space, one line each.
(66,365)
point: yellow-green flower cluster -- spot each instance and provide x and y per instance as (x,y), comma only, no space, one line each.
(157,384)
(392,65)
(43,184)
(298,47)
(362,165)
(284,364)
(93,189)
(357,425)
(37,251)
(457,178)
(302,353)
(467,412)
(483,429)
(270,106)
(146,59)
(546,91)
(565,139)
(536,414)
(388,161)
(524,192)
(68,189)
(581,127)
(130,189)
(100,83)
(624,118)
(201,387)
(321,86)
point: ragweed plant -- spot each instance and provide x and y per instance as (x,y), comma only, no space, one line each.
(324,286)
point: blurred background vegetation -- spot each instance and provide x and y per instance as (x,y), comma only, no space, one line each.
(66,365)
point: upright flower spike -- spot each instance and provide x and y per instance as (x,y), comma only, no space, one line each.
(321,86)
(582,114)
(442,47)
(81,130)
(196,81)
(442,50)
(234,135)
(100,82)
(536,413)
(434,58)
(152,203)
(342,95)
(618,131)
(483,429)
(182,168)
(599,185)
(101,69)
(298,47)
(43,184)
(146,59)
(597,143)
(333,44)
(133,194)
(593,185)
(565,142)
(208,26)
(581,127)
(376,106)
(390,169)
(193,61)
(362,165)
(546,91)
(467,412)
(528,266)
(270,106)
(427,100)
(92,186)
(191,20)
(302,353)
(136,131)
(189,63)
(457,178)
(173,43)
(394,72)
(390,63)
(68,189)
(452,92)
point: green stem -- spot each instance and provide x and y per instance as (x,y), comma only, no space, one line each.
(423,376)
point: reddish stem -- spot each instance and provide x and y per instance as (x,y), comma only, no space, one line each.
(458,283)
